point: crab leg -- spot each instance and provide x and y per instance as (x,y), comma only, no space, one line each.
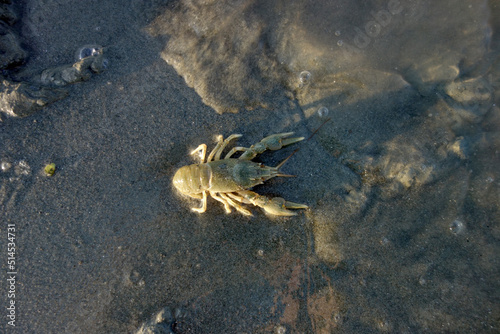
(202,149)
(203,204)
(224,144)
(236,205)
(234,150)
(238,198)
(223,201)
(216,148)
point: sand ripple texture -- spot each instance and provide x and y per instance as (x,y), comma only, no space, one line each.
(238,54)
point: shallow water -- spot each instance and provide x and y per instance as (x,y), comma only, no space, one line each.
(398,100)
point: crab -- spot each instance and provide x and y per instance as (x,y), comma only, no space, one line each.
(228,180)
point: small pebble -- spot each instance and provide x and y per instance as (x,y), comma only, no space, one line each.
(50,169)
(5,166)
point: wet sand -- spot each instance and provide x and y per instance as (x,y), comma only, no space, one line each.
(402,234)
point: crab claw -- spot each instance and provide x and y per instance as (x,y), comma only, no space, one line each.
(273,143)
(275,206)
(277,141)
(278,206)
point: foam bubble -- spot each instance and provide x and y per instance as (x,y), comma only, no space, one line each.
(457,226)
(88,51)
(323,112)
(304,78)
(280,329)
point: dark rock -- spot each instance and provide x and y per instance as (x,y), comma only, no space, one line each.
(22,99)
